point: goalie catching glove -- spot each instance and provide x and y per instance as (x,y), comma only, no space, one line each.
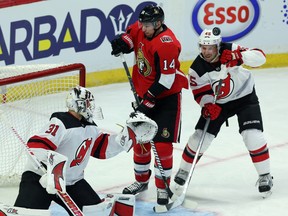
(139,129)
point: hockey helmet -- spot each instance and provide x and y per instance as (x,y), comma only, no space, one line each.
(151,13)
(210,37)
(81,101)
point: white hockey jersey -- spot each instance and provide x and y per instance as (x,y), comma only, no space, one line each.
(204,76)
(77,140)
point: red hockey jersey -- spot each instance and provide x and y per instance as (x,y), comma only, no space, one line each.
(156,61)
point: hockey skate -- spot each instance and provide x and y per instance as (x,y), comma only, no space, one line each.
(265,184)
(135,188)
(181,177)
(162,196)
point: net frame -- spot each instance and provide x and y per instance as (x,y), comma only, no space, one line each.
(20,88)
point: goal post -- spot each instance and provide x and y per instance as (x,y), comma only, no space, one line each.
(29,95)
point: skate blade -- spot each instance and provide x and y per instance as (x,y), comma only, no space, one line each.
(266,194)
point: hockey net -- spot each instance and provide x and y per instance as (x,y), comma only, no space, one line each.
(29,95)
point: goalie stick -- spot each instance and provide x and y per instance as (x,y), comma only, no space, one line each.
(67,200)
(159,165)
(180,199)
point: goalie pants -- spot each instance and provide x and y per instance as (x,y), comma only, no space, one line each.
(33,195)
(167,115)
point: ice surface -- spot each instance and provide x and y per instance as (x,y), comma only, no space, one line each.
(223,182)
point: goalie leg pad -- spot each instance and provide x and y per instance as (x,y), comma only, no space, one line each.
(113,204)
(125,204)
(105,208)
(19,211)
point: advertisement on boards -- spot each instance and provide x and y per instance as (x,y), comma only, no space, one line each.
(80,31)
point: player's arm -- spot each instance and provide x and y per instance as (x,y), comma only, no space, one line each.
(204,95)
(201,88)
(43,145)
(240,55)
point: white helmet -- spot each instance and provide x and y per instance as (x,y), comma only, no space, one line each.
(210,37)
(81,100)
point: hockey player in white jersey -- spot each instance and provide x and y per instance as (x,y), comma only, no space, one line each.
(237,97)
(74,135)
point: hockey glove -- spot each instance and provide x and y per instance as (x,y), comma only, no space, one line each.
(231,58)
(146,104)
(211,110)
(144,127)
(122,43)
(55,178)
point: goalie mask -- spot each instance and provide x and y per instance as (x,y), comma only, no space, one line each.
(81,101)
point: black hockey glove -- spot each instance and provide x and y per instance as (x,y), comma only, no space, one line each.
(147,103)
(122,43)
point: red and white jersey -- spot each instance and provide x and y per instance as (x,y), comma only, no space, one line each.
(156,61)
(204,76)
(77,140)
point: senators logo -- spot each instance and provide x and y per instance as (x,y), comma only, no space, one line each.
(81,152)
(142,63)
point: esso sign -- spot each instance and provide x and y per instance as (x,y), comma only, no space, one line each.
(230,14)
(234,18)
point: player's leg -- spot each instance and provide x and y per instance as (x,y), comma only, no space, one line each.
(31,193)
(188,155)
(165,153)
(142,160)
(251,129)
(82,194)
(169,125)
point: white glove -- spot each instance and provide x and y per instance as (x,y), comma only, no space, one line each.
(144,127)
(49,187)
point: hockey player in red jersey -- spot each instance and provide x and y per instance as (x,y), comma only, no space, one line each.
(74,135)
(237,96)
(158,81)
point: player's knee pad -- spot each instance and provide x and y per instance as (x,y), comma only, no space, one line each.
(254,139)
(194,140)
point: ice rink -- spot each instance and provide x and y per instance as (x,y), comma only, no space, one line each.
(223,183)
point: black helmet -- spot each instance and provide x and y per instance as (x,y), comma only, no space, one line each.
(151,13)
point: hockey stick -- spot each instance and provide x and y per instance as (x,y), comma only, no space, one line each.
(179,201)
(159,165)
(67,200)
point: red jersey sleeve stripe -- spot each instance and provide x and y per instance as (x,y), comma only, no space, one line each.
(40,142)
(199,93)
(100,147)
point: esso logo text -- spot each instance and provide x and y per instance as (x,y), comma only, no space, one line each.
(235,18)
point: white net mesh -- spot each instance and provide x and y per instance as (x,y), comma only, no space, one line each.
(27,105)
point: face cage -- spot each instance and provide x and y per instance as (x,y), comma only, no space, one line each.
(85,108)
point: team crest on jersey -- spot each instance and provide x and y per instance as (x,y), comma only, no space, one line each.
(81,152)
(142,63)
(227,87)
(165,133)
(166,39)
